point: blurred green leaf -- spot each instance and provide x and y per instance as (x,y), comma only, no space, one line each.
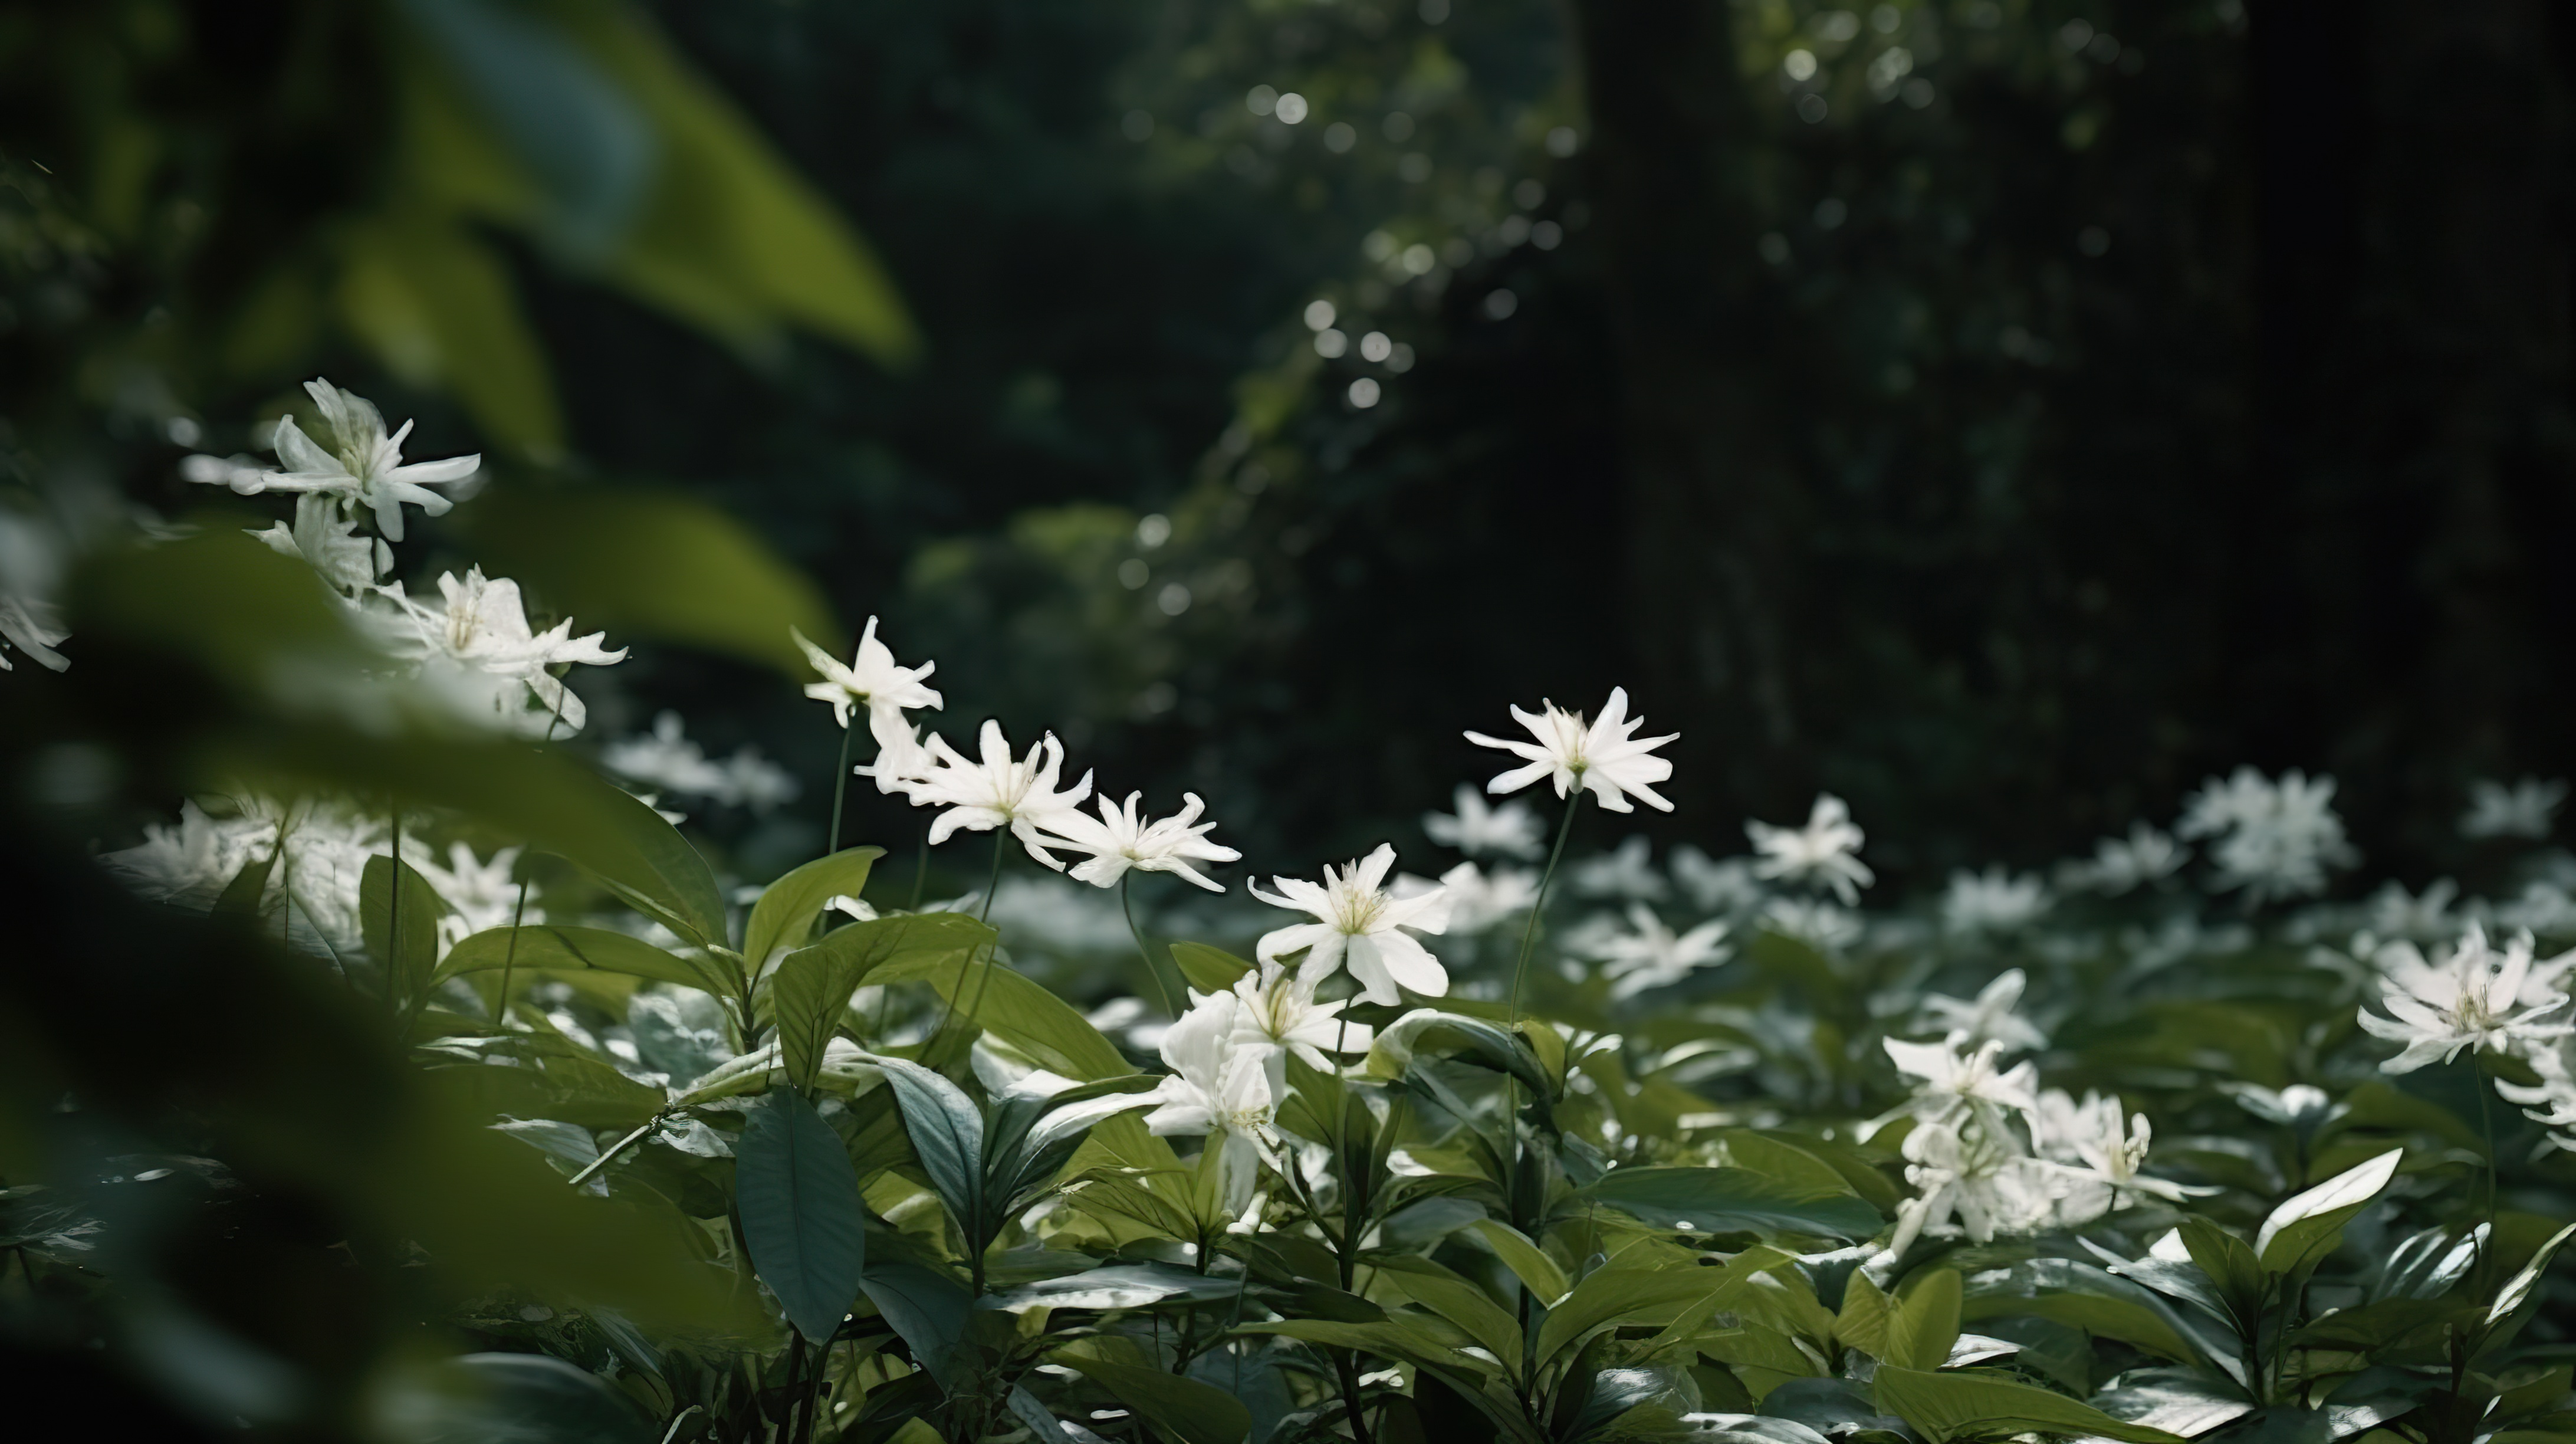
(799,1200)
(409,955)
(1210,970)
(515,1399)
(435,305)
(544,946)
(1949,1405)
(652,566)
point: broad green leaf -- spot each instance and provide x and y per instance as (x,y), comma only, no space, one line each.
(1028,1017)
(2235,1269)
(1623,1296)
(1946,1406)
(1183,1408)
(1098,1192)
(1210,970)
(1924,1321)
(1726,1290)
(1862,1323)
(481,1398)
(543,946)
(788,907)
(435,303)
(1414,1338)
(2087,1298)
(948,1133)
(1460,1302)
(406,946)
(674,884)
(1115,1286)
(810,991)
(2179,1401)
(2518,1288)
(1527,1261)
(799,1200)
(1719,1200)
(1429,1031)
(928,1311)
(2308,1226)
(651,566)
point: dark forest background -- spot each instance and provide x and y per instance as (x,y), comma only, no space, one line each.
(2005,415)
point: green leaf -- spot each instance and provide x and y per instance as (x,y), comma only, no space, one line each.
(1210,970)
(545,947)
(928,1311)
(436,305)
(788,907)
(1461,1303)
(2236,1270)
(2181,1401)
(1028,1017)
(810,991)
(1622,1295)
(1945,1406)
(1183,1408)
(1924,1322)
(1428,1031)
(652,566)
(1719,1200)
(801,1214)
(2308,1226)
(410,956)
(1862,1323)
(482,1398)
(1528,1262)
(1116,1286)
(948,1133)
(2085,1297)
(2518,1289)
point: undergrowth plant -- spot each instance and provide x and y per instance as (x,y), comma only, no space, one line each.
(1561,1146)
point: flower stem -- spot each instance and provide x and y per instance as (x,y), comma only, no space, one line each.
(1129,907)
(991,882)
(840,791)
(920,869)
(519,913)
(2486,1128)
(1529,929)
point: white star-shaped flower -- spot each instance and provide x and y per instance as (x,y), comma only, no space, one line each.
(2476,998)
(1954,1078)
(999,791)
(1477,899)
(2528,808)
(1278,1010)
(1360,925)
(1222,1086)
(1121,838)
(1605,758)
(2103,1148)
(482,895)
(1479,827)
(871,680)
(481,626)
(1652,955)
(363,467)
(1989,1017)
(1825,852)
(325,538)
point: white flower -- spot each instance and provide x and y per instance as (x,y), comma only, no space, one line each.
(1623,872)
(1056,916)
(2274,839)
(326,539)
(998,791)
(2118,865)
(1991,1187)
(666,759)
(2527,809)
(1825,853)
(1715,886)
(362,468)
(1511,829)
(1819,925)
(31,566)
(1605,758)
(1223,1087)
(1954,1079)
(2102,1148)
(1991,901)
(481,626)
(1360,926)
(1651,955)
(480,895)
(1122,839)
(1477,899)
(2394,913)
(1988,1018)
(872,680)
(1278,1010)
(901,759)
(189,864)
(2473,999)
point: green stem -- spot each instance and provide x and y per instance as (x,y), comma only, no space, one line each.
(992,881)
(1529,929)
(2486,1128)
(920,869)
(840,790)
(1129,907)
(519,912)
